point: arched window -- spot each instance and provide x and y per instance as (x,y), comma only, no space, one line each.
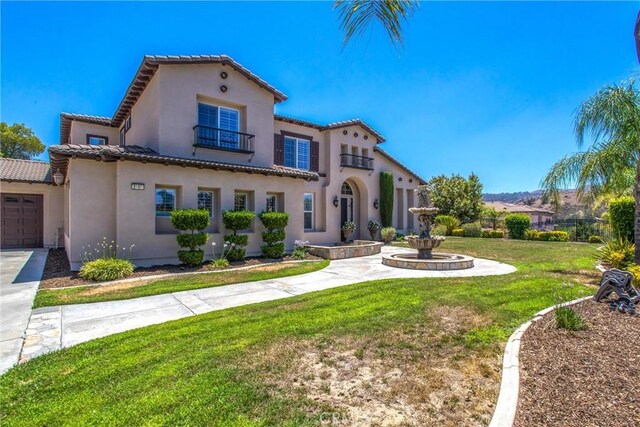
(346,189)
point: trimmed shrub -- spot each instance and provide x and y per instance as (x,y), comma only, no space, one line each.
(531,235)
(237,220)
(493,234)
(448,221)
(104,269)
(635,270)
(439,230)
(191,222)
(386,198)
(275,222)
(458,232)
(388,234)
(472,229)
(553,236)
(618,253)
(595,239)
(622,215)
(517,224)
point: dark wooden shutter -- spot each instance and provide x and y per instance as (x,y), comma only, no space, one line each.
(315,156)
(278,149)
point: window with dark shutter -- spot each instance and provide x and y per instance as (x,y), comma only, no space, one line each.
(315,156)
(278,149)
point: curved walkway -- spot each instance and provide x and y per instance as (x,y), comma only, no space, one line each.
(52,328)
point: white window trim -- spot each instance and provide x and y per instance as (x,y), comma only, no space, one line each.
(246,200)
(295,154)
(175,200)
(311,211)
(213,203)
(219,107)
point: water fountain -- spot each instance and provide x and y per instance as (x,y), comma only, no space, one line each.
(425,243)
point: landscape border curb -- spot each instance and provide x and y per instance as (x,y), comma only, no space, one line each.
(505,412)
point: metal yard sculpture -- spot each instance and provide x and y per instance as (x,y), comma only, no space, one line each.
(618,282)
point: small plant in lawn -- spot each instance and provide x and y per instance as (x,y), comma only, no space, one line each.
(235,221)
(388,234)
(222,261)
(273,237)
(191,222)
(300,249)
(102,262)
(449,222)
(517,224)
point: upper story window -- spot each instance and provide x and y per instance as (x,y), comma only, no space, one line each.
(122,138)
(213,121)
(165,201)
(97,140)
(297,152)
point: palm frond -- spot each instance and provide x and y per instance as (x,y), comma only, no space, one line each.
(358,15)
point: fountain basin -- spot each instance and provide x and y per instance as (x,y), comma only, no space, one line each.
(439,261)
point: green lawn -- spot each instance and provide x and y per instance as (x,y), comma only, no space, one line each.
(285,362)
(86,294)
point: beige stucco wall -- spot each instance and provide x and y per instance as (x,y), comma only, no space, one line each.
(53,206)
(145,117)
(79,131)
(110,207)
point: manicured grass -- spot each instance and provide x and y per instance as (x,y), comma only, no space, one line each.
(87,294)
(241,366)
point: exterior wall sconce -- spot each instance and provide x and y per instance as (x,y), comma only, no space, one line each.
(376,204)
(58,178)
(335,201)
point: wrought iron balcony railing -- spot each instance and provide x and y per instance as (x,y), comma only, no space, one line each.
(222,139)
(359,162)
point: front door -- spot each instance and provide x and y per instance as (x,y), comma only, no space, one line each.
(21,221)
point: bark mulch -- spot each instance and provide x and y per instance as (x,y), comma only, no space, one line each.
(586,378)
(57,272)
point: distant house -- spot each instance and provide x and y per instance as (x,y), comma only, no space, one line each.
(541,219)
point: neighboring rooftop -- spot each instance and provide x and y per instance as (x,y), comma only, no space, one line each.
(60,154)
(31,171)
(515,208)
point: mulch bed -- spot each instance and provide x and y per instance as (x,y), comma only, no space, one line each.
(586,378)
(57,271)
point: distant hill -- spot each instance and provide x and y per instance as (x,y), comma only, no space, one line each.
(571,206)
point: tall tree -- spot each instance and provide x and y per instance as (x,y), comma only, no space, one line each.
(19,142)
(358,15)
(457,196)
(612,118)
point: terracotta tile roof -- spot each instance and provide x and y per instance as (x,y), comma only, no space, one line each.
(15,170)
(399,164)
(515,208)
(67,118)
(335,125)
(150,64)
(60,154)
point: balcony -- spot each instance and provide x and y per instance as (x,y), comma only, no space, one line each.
(358,162)
(222,139)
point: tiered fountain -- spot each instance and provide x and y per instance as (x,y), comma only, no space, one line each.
(425,243)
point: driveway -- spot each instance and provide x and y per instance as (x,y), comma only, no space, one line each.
(52,328)
(20,273)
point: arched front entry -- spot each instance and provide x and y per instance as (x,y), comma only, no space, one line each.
(351,205)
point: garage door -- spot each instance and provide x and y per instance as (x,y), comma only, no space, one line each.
(21,220)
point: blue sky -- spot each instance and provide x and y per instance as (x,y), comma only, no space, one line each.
(483,87)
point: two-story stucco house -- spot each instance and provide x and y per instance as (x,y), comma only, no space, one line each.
(197,132)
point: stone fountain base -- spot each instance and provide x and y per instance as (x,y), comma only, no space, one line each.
(438,261)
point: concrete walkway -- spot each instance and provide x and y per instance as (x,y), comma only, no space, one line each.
(20,273)
(51,328)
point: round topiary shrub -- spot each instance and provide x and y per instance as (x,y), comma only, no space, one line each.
(104,269)
(274,222)
(517,224)
(192,222)
(237,220)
